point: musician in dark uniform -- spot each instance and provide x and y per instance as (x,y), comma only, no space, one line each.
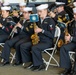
(60,16)
(15,15)
(65,1)
(25,30)
(45,31)
(21,7)
(65,61)
(5,24)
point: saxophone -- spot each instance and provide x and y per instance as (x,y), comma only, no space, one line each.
(35,37)
(61,42)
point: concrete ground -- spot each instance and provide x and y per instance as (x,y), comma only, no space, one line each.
(19,70)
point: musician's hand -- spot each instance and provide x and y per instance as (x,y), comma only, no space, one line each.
(19,25)
(52,14)
(15,30)
(0,25)
(67,38)
(38,30)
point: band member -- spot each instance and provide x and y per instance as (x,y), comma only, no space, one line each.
(45,32)
(25,30)
(65,61)
(60,16)
(21,7)
(15,15)
(5,25)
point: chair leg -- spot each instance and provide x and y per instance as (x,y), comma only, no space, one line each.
(48,63)
(13,57)
(2,60)
(71,56)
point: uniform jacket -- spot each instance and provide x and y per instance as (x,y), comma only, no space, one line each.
(48,25)
(7,25)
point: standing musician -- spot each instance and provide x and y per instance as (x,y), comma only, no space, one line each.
(45,31)
(25,30)
(65,61)
(60,16)
(5,25)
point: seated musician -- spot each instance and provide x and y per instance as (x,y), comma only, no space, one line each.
(45,31)
(65,61)
(21,7)
(24,29)
(60,16)
(5,24)
(15,15)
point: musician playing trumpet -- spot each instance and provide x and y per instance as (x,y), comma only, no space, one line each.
(65,61)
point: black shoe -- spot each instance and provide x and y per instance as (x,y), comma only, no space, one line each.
(34,68)
(16,63)
(41,67)
(5,63)
(66,72)
(28,65)
(73,73)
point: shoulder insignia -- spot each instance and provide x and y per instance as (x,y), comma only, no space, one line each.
(45,22)
(27,29)
(28,21)
(51,27)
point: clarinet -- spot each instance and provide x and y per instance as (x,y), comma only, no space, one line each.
(12,32)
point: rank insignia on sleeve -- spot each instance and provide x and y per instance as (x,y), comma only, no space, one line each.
(51,27)
(45,22)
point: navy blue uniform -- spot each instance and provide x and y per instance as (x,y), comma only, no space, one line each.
(65,61)
(46,41)
(23,33)
(7,26)
(62,17)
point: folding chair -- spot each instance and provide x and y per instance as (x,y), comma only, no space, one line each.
(71,54)
(2,45)
(53,50)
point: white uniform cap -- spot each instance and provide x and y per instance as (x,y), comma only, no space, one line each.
(6,4)
(42,6)
(26,9)
(74,4)
(74,10)
(22,4)
(59,3)
(5,8)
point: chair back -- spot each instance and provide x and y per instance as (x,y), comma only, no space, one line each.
(57,35)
